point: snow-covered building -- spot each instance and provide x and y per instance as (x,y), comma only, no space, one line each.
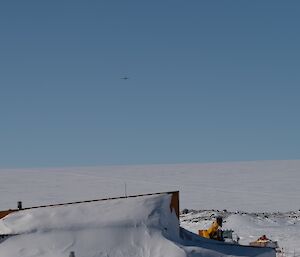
(134,226)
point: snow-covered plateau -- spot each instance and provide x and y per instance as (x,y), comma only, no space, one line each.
(259,198)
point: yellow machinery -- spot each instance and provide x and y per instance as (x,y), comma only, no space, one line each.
(213,232)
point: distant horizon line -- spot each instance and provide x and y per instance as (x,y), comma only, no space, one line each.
(54,167)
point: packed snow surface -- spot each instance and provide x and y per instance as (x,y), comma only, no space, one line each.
(135,227)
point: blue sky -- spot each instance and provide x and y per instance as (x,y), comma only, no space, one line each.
(209,81)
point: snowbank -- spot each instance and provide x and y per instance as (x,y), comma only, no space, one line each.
(135,227)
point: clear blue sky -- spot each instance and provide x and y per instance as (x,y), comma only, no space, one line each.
(209,81)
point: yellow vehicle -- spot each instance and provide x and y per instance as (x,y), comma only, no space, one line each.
(213,232)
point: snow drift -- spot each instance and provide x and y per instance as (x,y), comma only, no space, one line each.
(135,227)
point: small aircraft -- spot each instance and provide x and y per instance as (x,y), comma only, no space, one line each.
(125,78)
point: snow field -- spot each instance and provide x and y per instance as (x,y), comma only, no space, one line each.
(245,186)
